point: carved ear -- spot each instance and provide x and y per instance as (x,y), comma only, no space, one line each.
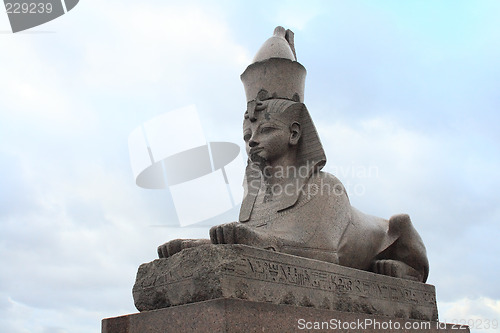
(295,133)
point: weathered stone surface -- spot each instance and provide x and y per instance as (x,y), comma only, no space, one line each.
(242,272)
(290,205)
(233,315)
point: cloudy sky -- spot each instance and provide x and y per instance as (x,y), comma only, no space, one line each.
(405,96)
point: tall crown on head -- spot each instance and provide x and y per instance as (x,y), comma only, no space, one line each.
(275,72)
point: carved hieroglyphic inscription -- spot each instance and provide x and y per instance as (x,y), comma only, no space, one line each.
(168,277)
(283,273)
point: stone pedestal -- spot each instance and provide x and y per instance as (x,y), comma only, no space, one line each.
(237,288)
(234,315)
(243,272)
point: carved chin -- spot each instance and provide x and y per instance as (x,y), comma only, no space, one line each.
(258,159)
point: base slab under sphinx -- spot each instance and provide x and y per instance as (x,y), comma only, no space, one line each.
(235,315)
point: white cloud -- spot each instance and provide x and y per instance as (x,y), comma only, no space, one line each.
(33,92)
(76,255)
(481,314)
(21,318)
(160,44)
(295,15)
(396,160)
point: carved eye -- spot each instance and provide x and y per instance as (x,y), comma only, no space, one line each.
(247,137)
(266,129)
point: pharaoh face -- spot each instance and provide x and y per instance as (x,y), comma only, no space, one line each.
(270,139)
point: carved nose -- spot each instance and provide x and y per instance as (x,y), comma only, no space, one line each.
(252,143)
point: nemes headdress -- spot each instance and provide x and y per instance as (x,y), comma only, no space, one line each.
(274,83)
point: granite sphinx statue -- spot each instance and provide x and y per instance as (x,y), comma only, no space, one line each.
(290,205)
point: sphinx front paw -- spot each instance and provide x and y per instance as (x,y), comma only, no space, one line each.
(177,245)
(224,233)
(237,233)
(397,269)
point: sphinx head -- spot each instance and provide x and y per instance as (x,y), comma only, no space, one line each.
(277,129)
(272,132)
